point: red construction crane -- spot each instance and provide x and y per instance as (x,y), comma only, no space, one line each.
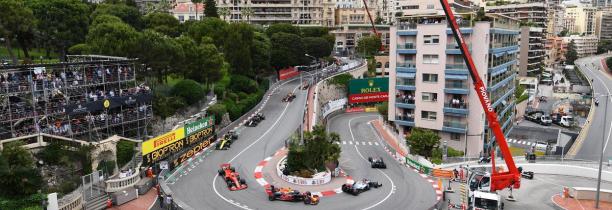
(382,47)
(499,180)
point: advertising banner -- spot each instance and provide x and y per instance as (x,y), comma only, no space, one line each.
(287,73)
(163,140)
(199,146)
(368,90)
(371,109)
(355,109)
(203,123)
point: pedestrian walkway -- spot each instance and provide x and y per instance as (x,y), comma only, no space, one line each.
(391,140)
(575,204)
(141,203)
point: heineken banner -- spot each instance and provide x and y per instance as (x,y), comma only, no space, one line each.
(369,90)
(203,123)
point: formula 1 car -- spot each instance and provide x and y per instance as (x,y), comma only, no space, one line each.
(359,187)
(377,162)
(252,123)
(287,194)
(232,135)
(225,143)
(259,117)
(232,178)
(527,174)
(289,97)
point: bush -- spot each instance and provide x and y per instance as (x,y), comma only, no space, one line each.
(107,166)
(30,202)
(218,110)
(125,152)
(243,84)
(341,80)
(191,91)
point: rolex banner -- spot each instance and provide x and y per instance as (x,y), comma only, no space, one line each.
(368,90)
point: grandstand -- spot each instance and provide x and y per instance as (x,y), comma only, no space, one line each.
(90,98)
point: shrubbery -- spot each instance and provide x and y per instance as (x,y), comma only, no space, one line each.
(125,152)
(317,150)
(191,91)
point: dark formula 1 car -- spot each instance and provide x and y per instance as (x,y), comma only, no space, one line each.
(289,97)
(232,135)
(259,117)
(287,194)
(359,187)
(377,162)
(527,174)
(232,178)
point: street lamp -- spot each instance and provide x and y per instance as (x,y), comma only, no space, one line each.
(603,134)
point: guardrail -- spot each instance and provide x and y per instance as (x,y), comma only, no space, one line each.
(585,129)
(72,201)
(116,185)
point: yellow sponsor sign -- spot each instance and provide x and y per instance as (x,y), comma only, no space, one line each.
(162,140)
(371,109)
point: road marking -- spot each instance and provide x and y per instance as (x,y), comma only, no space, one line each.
(343,142)
(376,143)
(356,143)
(245,149)
(370,143)
(363,142)
(385,174)
(609,98)
(351,142)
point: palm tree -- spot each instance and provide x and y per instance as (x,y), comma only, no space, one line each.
(224,12)
(247,12)
(195,2)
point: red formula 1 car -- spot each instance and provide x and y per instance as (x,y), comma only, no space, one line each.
(232,178)
(287,194)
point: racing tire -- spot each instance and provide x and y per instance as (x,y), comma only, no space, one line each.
(271,198)
(356,192)
(370,160)
(307,201)
(345,188)
(232,169)
(221,172)
(229,183)
(242,181)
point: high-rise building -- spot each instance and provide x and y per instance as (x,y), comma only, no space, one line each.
(603,24)
(555,50)
(531,54)
(430,81)
(532,13)
(556,14)
(87,98)
(266,12)
(580,19)
(585,45)
(602,3)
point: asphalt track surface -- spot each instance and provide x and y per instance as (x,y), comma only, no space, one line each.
(602,85)
(201,188)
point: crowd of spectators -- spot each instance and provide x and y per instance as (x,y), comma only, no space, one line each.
(405,98)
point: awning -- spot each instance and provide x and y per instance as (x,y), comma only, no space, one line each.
(406,75)
(499,54)
(512,51)
(456,77)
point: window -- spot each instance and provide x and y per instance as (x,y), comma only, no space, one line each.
(191,17)
(181,18)
(411,7)
(430,78)
(429,96)
(431,39)
(455,136)
(430,59)
(427,115)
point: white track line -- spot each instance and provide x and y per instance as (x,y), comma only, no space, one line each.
(245,149)
(609,99)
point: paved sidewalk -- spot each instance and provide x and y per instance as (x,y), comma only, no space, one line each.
(269,174)
(574,204)
(391,140)
(141,203)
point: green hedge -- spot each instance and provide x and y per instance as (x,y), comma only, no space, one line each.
(125,152)
(31,202)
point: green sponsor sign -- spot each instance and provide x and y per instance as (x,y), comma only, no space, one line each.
(418,166)
(369,85)
(196,126)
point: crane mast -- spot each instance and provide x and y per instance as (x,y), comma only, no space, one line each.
(499,180)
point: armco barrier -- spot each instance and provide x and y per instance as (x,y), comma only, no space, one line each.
(318,179)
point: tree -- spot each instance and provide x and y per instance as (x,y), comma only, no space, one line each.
(195,3)
(571,55)
(129,15)
(208,63)
(63,23)
(159,52)
(604,46)
(163,6)
(314,31)
(563,33)
(282,27)
(383,109)
(317,47)
(287,50)
(224,12)
(217,110)
(260,53)
(316,151)
(210,10)
(247,12)
(164,104)
(15,18)
(238,50)
(189,90)
(163,23)
(422,141)
(214,28)
(113,38)
(19,176)
(609,63)
(368,45)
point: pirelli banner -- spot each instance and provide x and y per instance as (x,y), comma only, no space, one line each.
(369,90)
(177,141)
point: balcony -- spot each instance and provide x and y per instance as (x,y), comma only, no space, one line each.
(452,68)
(405,120)
(456,107)
(406,67)
(404,103)
(407,48)
(454,127)
(456,87)
(405,84)
(453,49)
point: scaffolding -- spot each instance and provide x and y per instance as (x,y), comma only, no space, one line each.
(90,97)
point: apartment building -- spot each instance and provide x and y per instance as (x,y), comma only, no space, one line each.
(602,3)
(532,13)
(580,19)
(585,45)
(603,24)
(556,14)
(555,49)
(431,82)
(347,36)
(266,12)
(531,54)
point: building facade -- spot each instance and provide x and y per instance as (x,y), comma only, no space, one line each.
(555,51)
(603,26)
(531,55)
(184,11)
(580,19)
(585,45)
(430,81)
(533,13)
(347,36)
(88,98)
(267,12)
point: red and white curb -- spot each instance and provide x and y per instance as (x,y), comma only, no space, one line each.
(435,186)
(259,178)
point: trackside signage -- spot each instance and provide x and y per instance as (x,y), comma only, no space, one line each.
(203,123)
(369,90)
(162,140)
